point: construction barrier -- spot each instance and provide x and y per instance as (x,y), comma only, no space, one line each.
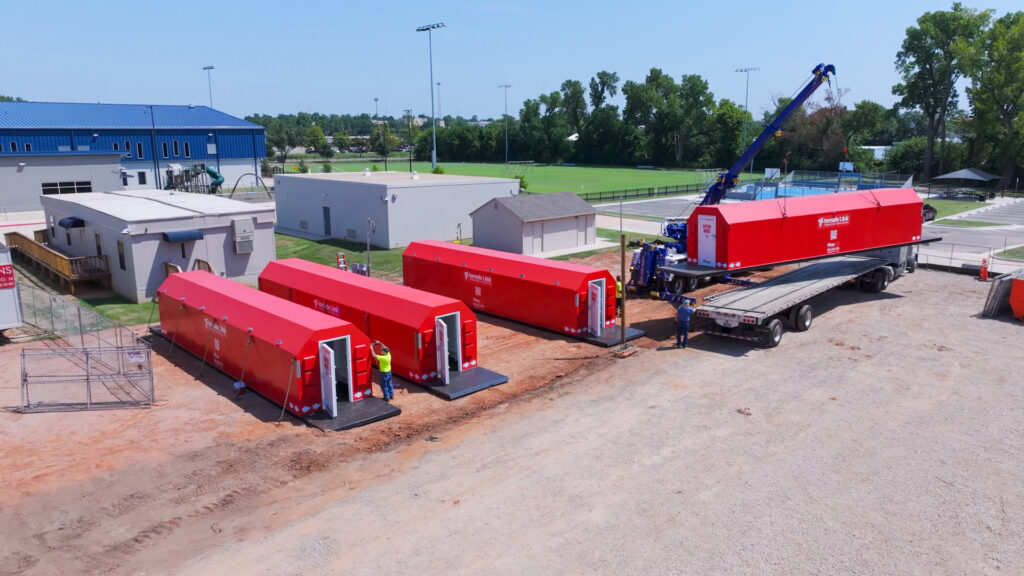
(280,349)
(559,296)
(766,232)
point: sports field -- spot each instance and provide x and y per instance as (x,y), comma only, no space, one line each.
(541,178)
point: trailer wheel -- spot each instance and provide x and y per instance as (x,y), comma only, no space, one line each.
(802,319)
(772,334)
(884,276)
(676,285)
(691,283)
(912,264)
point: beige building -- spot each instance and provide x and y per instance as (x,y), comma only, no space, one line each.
(530,224)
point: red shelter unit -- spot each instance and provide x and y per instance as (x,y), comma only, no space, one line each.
(560,296)
(294,356)
(764,232)
(431,337)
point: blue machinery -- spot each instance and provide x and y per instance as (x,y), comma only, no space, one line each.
(646,261)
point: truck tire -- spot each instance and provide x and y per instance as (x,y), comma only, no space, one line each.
(772,333)
(676,285)
(912,264)
(884,276)
(691,283)
(803,318)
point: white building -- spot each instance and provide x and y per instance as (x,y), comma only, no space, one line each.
(146,232)
(403,207)
(530,224)
(23,178)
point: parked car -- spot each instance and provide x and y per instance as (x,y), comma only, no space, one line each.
(928,212)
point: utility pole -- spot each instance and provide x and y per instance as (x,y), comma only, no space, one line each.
(408,114)
(209,83)
(506,87)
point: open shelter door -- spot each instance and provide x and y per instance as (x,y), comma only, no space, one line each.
(441,349)
(328,382)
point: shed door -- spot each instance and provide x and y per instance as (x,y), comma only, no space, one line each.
(595,307)
(706,239)
(441,349)
(328,383)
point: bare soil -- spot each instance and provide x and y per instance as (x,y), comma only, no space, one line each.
(885,439)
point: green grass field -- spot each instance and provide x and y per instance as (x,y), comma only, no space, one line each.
(120,309)
(968,223)
(1013,253)
(540,178)
(383,263)
(949,207)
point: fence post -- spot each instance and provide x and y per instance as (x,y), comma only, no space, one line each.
(24,382)
(88,380)
(81,331)
(951,257)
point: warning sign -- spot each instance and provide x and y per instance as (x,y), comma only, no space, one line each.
(6,276)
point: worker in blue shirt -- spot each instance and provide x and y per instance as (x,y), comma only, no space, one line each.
(383,361)
(683,324)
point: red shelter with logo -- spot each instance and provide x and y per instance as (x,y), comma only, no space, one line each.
(559,296)
(279,345)
(765,232)
(403,318)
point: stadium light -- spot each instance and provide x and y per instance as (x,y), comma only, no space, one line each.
(433,121)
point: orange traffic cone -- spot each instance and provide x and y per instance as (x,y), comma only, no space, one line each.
(984,269)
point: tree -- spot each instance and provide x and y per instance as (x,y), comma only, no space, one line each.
(574,105)
(930,66)
(603,85)
(727,144)
(10,98)
(994,64)
(382,141)
(283,138)
(341,141)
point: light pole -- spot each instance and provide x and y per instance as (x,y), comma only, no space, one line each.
(506,87)
(375,107)
(408,114)
(209,83)
(371,226)
(746,111)
(433,121)
(440,110)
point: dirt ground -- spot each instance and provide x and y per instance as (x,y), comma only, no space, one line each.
(886,439)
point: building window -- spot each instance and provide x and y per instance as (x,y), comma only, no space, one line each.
(188,152)
(99,245)
(163,146)
(120,254)
(138,150)
(14,146)
(128,149)
(183,250)
(28,146)
(142,178)
(174,146)
(211,148)
(67,233)
(67,187)
(124,180)
(1,147)
(116,146)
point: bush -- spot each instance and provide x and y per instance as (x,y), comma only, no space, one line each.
(302,168)
(438,170)
(374,168)
(523,184)
(265,168)
(326,167)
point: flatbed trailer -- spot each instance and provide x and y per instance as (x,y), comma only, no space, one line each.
(758,313)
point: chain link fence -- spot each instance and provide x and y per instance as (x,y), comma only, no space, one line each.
(83,361)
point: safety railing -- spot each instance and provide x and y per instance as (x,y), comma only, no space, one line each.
(69,269)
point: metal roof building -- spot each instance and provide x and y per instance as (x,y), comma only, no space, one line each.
(535,223)
(147,139)
(147,233)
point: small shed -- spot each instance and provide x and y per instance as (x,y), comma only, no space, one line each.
(530,224)
(298,358)
(388,209)
(432,338)
(145,234)
(563,297)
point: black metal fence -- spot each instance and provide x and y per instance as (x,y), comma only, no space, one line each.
(638,193)
(83,361)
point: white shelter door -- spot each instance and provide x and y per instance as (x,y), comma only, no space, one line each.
(595,307)
(327,380)
(706,240)
(441,348)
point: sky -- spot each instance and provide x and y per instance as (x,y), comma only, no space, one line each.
(337,57)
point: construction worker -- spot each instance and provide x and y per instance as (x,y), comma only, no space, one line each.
(683,324)
(618,295)
(382,358)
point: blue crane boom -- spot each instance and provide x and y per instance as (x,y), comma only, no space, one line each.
(726,180)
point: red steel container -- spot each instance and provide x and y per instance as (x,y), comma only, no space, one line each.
(401,317)
(277,341)
(1017,298)
(765,232)
(545,293)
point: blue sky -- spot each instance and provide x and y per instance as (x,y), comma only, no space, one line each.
(335,57)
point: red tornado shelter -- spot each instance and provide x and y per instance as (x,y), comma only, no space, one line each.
(286,350)
(559,296)
(430,336)
(763,232)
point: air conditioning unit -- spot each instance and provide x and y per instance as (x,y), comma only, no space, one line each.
(244,233)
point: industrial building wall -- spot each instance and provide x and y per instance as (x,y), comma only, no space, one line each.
(439,211)
(301,202)
(497,228)
(21,186)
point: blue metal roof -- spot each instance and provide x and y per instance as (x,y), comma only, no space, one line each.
(50,115)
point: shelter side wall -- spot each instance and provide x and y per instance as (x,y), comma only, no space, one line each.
(439,212)
(22,186)
(497,228)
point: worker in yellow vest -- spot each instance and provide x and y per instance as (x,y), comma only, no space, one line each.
(618,295)
(382,357)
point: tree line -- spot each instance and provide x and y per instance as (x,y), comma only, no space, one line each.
(667,122)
